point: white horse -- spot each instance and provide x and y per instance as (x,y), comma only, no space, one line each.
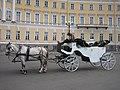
(24,53)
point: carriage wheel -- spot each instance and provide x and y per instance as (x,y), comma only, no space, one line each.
(71,63)
(108,61)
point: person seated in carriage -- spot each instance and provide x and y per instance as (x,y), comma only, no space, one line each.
(69,39)
(81,42)
(101,43)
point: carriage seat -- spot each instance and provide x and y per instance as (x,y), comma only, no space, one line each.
(65,46)
(102,43)
(83,43)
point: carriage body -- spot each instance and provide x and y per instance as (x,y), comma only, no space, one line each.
(93,53)
(97,56)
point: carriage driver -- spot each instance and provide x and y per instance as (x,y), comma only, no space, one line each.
(69,39)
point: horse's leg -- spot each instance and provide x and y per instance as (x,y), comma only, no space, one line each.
(41,66)
(23,65)
(45,66)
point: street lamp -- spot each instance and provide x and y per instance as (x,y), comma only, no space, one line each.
(68,24)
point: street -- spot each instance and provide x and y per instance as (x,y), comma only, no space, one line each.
(86,77)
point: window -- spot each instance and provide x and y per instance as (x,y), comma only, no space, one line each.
(63,19)
(82,36)
(109,7)
(118,7)
(54,36)
(91,6)
(37,3)
(118,21)
(72,6)
(54,5)
(82,20)
(27,17)
(91,36)
(37,17)
(27,2)
(100,7)
(54,19)
(63,37)
(100,20)
(63,5)
(90,0)
(17,35)
(110,21)
(91,20)
(101,36)
(81,7)
(36,35)
(72,19)
(27,36)
(8,34)
(46,18)
(18,16)
(8,14)
(46,36)
(8,0)
(18,1)
(119,37)
(110,37)
(46,3)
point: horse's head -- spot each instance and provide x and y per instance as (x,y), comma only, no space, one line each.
(9,49)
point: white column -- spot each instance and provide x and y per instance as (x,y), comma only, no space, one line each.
(3,10)
(13,11)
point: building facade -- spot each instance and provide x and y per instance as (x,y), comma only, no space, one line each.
(46,21)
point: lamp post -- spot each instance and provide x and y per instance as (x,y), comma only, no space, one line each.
(115,31)
(68,24)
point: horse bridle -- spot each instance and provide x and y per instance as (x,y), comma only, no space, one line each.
(10,49)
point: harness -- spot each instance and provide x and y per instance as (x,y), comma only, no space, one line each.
(17,54)
(27,54)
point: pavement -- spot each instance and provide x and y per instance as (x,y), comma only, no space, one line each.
(86,77)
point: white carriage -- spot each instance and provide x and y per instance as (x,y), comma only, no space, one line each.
(97,56)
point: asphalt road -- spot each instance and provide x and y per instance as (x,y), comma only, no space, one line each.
(86,77)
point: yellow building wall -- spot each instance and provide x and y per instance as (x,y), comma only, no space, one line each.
(59,29)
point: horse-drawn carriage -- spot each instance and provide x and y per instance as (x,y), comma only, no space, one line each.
(70,54)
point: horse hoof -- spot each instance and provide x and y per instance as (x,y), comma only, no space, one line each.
(21,70)
(40,71)
(25,72)
(44,71)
